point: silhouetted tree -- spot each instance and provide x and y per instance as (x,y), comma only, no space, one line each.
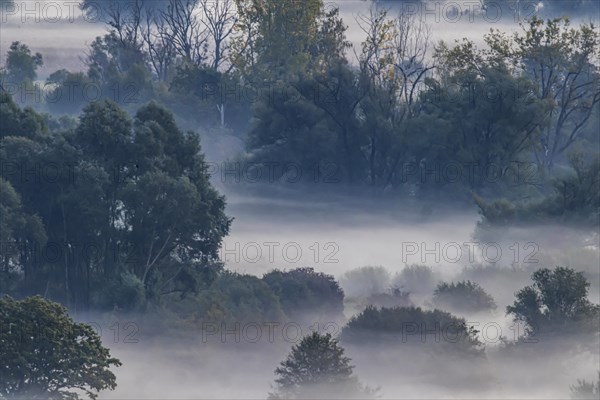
(317,368)
(557,300)
(45,354)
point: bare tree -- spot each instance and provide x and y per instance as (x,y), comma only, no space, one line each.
(126,20)
(185,30)
(159,47)
(411,47)
(220,19)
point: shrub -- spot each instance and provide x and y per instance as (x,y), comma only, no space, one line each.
(365,281)
(465,296)
(306,294)
(400,325)
(418,279)
(231,298)
(125,293)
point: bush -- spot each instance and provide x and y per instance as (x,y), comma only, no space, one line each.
(365,281)
(305,294)
(401,325)
(465,296)
(418,279)
(395,298)
(242,298)
(126,293)
(575,200)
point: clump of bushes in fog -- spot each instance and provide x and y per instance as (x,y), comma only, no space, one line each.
(300,295)
(412,326)
(365,281)
(416,279)
(394,297)
(575,199)
(465,296)
(306,294)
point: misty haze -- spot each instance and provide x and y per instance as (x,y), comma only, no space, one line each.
(299,199)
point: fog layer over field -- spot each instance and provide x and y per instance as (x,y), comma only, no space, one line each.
(167,363)
(390,242)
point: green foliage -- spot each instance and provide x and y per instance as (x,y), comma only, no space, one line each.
(557,301)
(125,198)
(400,325)
(561,63)
(306,294)
(126,293)
(21,65)
(212,98)
(17,122)
(317,368)
(70,91)
(228,298)
(45,354)
(244,298)
(575,200)
(465,296)
(286,39)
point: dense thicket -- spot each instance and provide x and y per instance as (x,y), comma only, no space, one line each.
(410,326)
(114,202)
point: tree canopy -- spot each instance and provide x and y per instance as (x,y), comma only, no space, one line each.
(317,368)
(45,354)
(557,301)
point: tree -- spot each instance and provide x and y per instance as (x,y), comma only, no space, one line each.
(556,301)
(21,65)
(280,38)
(126,207)
(185,30)
(220,19)
(562,63)
(317,368)
(393,68)
(45,354)
(297,51)
(491,119)
(304,293)
(419,279)
(17,230)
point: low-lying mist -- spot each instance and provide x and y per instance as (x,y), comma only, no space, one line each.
(238,361)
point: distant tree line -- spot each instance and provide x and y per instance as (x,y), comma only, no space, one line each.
(406,114)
